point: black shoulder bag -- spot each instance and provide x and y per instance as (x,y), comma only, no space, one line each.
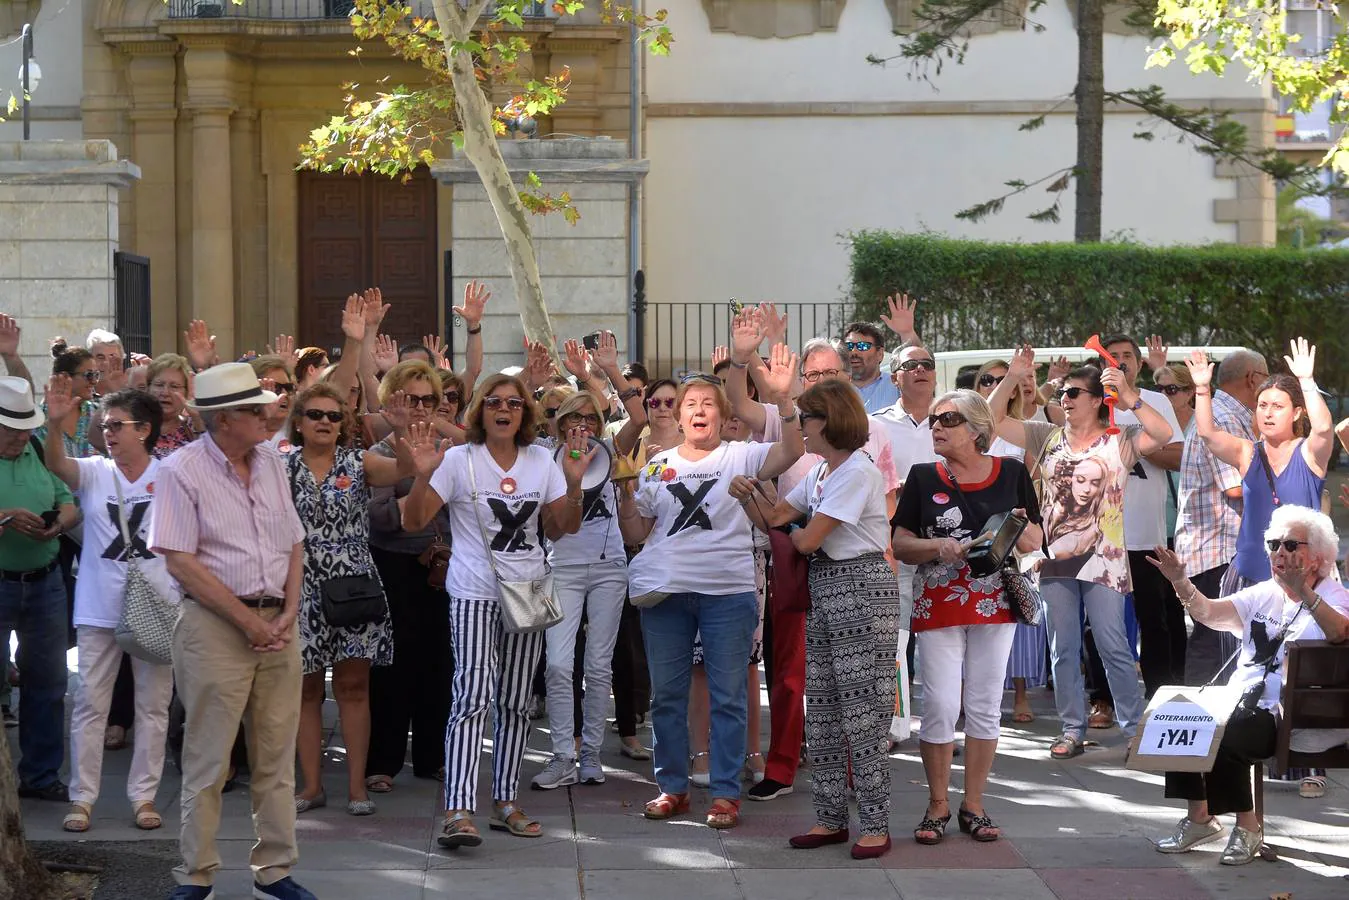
(349,601)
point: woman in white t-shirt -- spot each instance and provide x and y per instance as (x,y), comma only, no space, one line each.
(125,481)
(853,622)
(698,558)
(1301,601)
(504,494)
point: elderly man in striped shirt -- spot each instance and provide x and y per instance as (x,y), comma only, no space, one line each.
(225,523)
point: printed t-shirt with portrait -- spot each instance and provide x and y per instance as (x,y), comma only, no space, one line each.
(1265,611)
(599,539)
(1082,499)
(509,505)
(1146,495)
(103,560)
(701,541)
(930,508)
(854,494)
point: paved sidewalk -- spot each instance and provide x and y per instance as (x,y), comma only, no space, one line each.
(1078,830)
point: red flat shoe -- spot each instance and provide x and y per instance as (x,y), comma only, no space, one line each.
(815,841)
(860,851)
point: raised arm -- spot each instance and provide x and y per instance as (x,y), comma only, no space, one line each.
(381,471)
(747,333)
(1320,443)
(1157,432)
(422,501)
(1232,449)
(1021,366)
(901,317)
(476,296)
(606,357)
(61,405)
(778,378)
(9,349)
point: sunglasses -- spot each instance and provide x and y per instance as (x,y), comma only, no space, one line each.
(451,396)
(318,415)
(512,403)
(1072,393)
(426,401)
(1172,390)
(812,377)
(949,419)
(910,365)
(114,426)
(255,409)
(700,378)
(657,402)
(860,345)
(988,379)
(285,387)
(803,417)
(93,376)
(1287,543)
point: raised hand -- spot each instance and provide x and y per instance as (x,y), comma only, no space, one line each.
(1201,370)
(374,309)
(577,456)
(720,354)
(353,318)
(538,364)
(423,448)
(576,360)
(1022,363)
(606,354)
(747,334)
(901,315)
(200,345)
(1156,354)
(1112,379)
(396,411)
(386,353)
(433,343)
(285,348)
(774,323)
(781,372)
(1303,361)
(61,400)
(1059,369)
(9,335)
(476,296)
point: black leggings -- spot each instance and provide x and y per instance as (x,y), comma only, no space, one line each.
(1248,739)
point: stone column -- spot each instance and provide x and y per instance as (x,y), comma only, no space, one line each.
(584,267)
(213,225)
(58,232)
(250,228)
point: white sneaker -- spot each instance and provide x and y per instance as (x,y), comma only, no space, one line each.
(559,772)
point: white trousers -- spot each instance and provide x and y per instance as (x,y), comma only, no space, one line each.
(99,660)
(978,655)
(598,590)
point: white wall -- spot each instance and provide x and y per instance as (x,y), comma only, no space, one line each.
(58,47)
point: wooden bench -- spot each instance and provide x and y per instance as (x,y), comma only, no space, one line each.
(1315,695)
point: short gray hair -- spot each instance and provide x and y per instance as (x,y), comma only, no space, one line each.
(99,336)
(1321,539)
(819,345)
(975,409)
(899,351)
(1237,365)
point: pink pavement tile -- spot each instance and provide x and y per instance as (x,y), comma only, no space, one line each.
(1123,884)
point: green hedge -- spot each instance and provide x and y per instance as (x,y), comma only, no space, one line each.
(997,295)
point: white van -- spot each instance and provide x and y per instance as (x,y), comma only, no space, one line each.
(951,363)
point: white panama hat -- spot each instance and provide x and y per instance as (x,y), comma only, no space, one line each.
(17,409)
(227,386)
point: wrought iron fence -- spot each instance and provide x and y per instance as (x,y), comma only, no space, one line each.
(680,337)
(131,276)
(300,9)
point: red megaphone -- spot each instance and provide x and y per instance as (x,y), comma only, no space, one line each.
(1111,395)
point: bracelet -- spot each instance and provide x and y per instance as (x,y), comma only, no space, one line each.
(1138,404)
(1202,393)
(1312,608)
(787,417)
(477,330)
(739,365)
(625,395)
(577,501)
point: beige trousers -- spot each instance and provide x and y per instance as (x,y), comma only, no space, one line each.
(221,681)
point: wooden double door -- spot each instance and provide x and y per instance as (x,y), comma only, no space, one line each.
(362,231)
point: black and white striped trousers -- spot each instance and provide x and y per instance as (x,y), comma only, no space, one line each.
(490,666)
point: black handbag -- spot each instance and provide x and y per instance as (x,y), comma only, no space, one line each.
(353,600)
(998,555)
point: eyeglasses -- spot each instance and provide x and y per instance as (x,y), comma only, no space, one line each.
(1072,393)
(93,376)
(859,345)
(426,401)
(700,378)
(255,409)
(1287,543)
(587,418)
(812,377)
(114,426)
(910,365)
(166,386)
(514,404)
(657,402)
(318,415)
(988,379)
(948,419)
(803,417)
(286,387)
(1172,390)
(451,396)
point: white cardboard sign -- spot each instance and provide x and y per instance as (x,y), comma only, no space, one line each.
(1178,728)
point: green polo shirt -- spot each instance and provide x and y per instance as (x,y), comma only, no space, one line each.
(25,483)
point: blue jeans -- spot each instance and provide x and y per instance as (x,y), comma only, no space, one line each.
(1064,600)
(36,610)
(727,624)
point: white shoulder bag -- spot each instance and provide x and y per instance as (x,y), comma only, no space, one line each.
(147,621)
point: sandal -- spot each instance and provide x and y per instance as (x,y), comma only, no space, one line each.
(667,806)
(511,818)
(147,817)
(699,779)
(77,820)
(751,773)
(1312,787)
(379,784)
(1023,715)
(934,827)
(1066,747)
(458,831)
(980,827)
(723,813)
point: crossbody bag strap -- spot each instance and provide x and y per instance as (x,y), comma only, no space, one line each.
(1268,469)
(477,514)
(121,511)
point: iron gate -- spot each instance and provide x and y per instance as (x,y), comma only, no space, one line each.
(131,274)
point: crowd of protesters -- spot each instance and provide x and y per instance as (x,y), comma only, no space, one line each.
(533,542)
